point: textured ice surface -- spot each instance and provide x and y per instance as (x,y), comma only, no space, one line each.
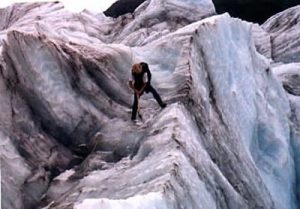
(289,76)
(285,35)
(150,201)
(227,139)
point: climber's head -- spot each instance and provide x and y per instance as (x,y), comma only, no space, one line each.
(144,66)
(136,68)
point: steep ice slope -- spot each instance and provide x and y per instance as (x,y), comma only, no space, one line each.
(223,141)
(284,32)
(262,41)
(53,20)
(150,21)
(10,163)
(285,35)
(247,98)
(46,113)
(289,76)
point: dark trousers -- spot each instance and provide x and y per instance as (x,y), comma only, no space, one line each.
(148,89)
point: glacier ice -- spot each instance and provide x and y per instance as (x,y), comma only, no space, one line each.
(284,31)
(227,139)
(152,200)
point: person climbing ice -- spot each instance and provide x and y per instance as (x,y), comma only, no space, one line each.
(140,82)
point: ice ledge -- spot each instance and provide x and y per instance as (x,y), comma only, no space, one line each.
(152,200)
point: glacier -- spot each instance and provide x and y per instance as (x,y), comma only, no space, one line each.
(229,137)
